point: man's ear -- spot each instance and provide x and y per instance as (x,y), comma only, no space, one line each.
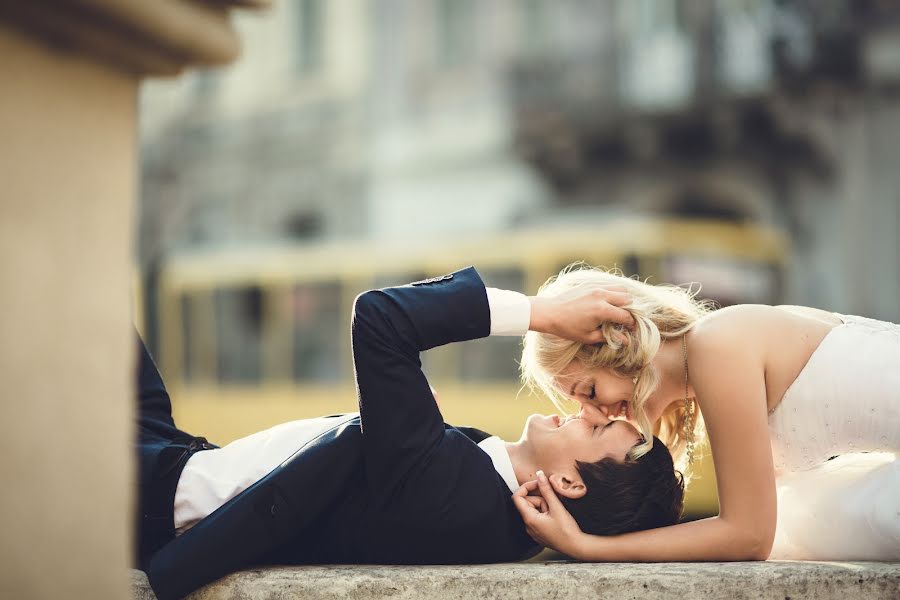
(569,485)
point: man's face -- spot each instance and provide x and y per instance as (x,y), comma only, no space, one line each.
(557,443)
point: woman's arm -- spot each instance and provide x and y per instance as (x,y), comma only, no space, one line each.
(548,522)
(727,372)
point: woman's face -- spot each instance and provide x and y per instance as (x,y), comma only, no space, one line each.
(599,391)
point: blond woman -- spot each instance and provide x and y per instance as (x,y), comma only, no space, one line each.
(785,393)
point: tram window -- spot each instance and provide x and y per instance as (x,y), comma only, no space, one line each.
(198,336)
(238,317)
(491,359)
(630,266)
(437,362)
(494,359)
(726,280)
(317,332)
(187,320)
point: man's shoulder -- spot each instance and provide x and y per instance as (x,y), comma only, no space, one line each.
(473,433)
(458,462)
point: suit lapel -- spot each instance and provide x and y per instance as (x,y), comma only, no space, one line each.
(476,435)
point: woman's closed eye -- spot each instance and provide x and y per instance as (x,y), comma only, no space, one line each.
(590,393)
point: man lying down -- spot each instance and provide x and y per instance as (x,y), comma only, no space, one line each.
(393,484)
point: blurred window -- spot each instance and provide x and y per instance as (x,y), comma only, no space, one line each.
(206,82)
(630,266)
(494,358)
(437,363)
(187,320)
(727,281)
(310,33)
(456,32)
(317,331)
(742,58)
(658,58)
(533,30)
(198,337)
(238,319)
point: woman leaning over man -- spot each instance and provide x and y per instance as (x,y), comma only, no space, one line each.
(779,390)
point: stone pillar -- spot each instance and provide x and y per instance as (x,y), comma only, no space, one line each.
(68,169)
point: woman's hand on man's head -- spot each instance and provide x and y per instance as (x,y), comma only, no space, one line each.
(546,519)
(579,317)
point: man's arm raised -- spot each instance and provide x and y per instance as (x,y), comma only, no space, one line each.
(400,419)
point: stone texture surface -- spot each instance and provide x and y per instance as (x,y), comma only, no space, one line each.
(779,580)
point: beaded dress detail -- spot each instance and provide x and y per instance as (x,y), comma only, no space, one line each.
(846,399)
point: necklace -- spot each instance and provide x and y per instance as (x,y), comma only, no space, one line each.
(688,432)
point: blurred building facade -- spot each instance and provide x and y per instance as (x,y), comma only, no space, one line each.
(407,119)
(344,119)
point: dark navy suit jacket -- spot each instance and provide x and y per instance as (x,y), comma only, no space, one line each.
(393,486)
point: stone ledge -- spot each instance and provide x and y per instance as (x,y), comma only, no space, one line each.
(778,580)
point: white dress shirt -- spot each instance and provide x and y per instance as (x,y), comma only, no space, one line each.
(213,477)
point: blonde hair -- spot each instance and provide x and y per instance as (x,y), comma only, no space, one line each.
(661,312)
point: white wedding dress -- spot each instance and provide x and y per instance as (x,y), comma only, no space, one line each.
(835,442)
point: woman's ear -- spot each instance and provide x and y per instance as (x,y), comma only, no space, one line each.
(569,485)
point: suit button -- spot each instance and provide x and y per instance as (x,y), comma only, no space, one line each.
(273,510)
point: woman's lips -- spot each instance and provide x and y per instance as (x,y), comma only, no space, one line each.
(622,410)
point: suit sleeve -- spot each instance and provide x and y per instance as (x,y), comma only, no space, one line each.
(401,422)
(153,399)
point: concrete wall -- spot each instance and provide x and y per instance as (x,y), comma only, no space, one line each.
(68,162)
(67,141)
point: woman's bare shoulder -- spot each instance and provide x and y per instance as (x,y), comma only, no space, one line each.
(739,316)
(737,326)
(817,314)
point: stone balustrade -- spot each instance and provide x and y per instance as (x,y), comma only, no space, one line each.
(778,580)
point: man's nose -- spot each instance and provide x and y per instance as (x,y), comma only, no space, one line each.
(593,415)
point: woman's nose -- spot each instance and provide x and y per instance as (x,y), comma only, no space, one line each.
(593,415)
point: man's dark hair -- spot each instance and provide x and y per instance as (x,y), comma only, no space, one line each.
(628,496)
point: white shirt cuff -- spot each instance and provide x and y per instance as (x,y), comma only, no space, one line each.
(510,312)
